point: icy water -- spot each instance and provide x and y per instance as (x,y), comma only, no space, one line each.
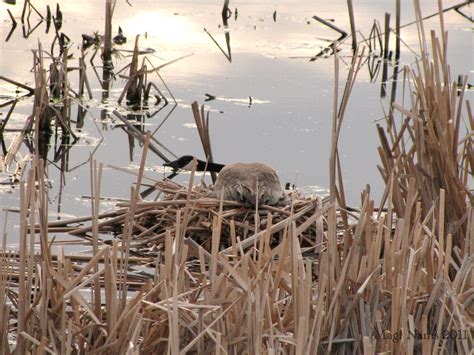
(272,103)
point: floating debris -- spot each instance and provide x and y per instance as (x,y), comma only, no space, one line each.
(210,97)
(120,38)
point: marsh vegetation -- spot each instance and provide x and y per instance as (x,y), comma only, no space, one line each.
(167,267)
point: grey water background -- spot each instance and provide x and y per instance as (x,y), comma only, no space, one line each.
(287,124)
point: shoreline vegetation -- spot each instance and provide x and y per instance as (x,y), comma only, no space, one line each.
(183,272)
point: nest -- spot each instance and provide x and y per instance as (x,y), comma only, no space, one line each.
(195,214)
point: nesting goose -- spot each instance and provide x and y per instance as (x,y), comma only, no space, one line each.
(247,183)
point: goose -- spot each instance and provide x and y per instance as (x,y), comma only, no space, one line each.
(251,184)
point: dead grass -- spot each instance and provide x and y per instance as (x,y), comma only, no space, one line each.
(278,290)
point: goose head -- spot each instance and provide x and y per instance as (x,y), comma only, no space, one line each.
(186,163)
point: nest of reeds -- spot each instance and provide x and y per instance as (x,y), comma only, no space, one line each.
(194,213)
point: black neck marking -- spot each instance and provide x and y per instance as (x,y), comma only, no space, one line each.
(185,162)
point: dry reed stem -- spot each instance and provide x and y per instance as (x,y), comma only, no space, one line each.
(202,124)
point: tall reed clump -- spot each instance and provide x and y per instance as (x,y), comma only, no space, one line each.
(432,144)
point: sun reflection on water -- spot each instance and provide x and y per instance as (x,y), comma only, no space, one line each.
(168,27)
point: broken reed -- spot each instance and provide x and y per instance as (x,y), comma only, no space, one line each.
(54,104)
(53,97)
(40,119)
(202,123)
(352,22)
(107,49)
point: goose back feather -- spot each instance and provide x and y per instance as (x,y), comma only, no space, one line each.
(249,183)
